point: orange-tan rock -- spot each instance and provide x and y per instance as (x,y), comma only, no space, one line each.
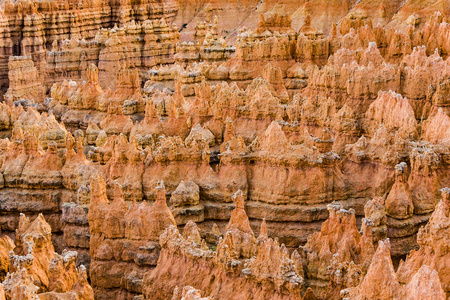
(421,275)
(239,261)
(24,81)
(338,254)
(291,138)
(37,272)
(123,241)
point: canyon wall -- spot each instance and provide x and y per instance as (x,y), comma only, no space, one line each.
(35,270)
(304,148)
(62,36)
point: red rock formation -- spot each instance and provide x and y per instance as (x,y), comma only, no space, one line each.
(185,204)
(338,253)
(24,81)
(398,203)
(188,293)
(381,282)
(195,262)
(32,29)
(437,128)
(71,100)
(394,112)
(375,211)
(6,245)
(34,250)
(273,261)
(431,252)
(421,276)
(123,240)
(37,272)
(309,103)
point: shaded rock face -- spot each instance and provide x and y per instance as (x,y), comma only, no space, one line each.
(338,254)
(432,253)
(43,172)
(286,137)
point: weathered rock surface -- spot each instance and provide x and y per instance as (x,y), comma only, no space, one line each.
(37,271)
(124,240)
(423,275)
(240,261)
(291,137)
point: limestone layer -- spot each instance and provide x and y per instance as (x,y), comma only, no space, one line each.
(306,155)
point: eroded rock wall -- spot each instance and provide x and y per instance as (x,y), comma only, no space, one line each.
(335,142)
(36,271)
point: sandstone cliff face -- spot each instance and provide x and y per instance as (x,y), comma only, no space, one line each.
(430,254)
(42,181)
(37,271)
(256,120)
(338,254)
(247,155)
(381,282)
(63,39)
(124,241)
(421,275)
(7,245)
(24,81)
(240,261)
(32,29)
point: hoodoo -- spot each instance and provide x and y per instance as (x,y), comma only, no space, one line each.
(224,150)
